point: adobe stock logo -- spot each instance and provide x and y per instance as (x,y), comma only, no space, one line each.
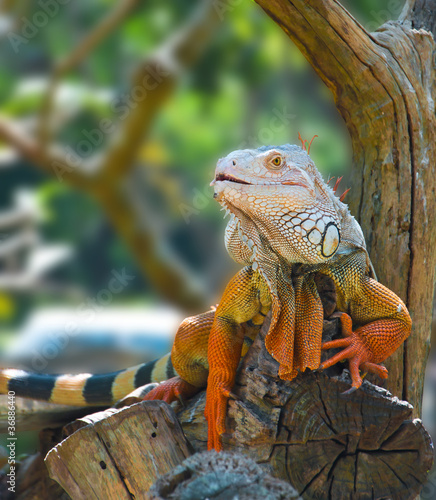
(30,27)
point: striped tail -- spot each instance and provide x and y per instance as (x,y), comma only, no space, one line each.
(85,389)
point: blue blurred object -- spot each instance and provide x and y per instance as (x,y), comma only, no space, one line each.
(75,340)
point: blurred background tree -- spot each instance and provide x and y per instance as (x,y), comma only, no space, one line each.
(229,79)
(113,115)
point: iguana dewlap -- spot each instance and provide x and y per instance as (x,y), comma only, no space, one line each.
(283,218)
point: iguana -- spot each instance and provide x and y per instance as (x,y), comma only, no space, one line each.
(286,224)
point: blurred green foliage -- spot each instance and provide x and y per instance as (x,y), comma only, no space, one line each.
(248,73)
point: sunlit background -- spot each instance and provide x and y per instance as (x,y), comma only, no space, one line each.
(83,243)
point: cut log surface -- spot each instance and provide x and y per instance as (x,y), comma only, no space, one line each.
(120,454)
(328,446)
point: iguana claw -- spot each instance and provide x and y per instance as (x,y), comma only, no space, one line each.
(215,412)
(356,351)
(174,389)
(349,391)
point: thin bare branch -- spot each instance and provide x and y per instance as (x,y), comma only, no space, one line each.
(51,163)
(154,82)
(100,32)
(407,9)
(89,42)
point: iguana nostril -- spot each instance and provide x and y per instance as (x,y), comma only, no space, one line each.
(234,163)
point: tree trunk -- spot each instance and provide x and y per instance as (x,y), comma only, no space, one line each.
(383,84)
(221,476)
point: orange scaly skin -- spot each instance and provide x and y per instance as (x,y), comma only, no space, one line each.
(172,390)
(245,296)
(286,225)
(208,348)
(189,359)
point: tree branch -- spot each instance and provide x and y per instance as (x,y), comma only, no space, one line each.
(52,163)
(154,82)
(334,43)
(100,32)
(89,42)
(407,9)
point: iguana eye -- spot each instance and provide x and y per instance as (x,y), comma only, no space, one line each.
(276,161)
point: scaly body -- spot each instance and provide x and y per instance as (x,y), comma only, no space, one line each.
(286,224)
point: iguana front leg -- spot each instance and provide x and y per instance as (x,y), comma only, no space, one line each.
(246,298)
(386,324)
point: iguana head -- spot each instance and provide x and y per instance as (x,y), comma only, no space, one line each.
(281,205)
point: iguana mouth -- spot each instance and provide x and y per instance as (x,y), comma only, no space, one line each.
(230,178)
(227,177)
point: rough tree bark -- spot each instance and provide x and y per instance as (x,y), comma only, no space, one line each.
(384,85)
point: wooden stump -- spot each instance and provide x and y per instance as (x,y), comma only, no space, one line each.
(120,454)
(328,446)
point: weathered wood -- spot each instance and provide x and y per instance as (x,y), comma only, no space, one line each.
(90,419)
(121,455)
(37,415)
(328,446)
(422,14)
(220,476)
(384,86)
(32,481)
